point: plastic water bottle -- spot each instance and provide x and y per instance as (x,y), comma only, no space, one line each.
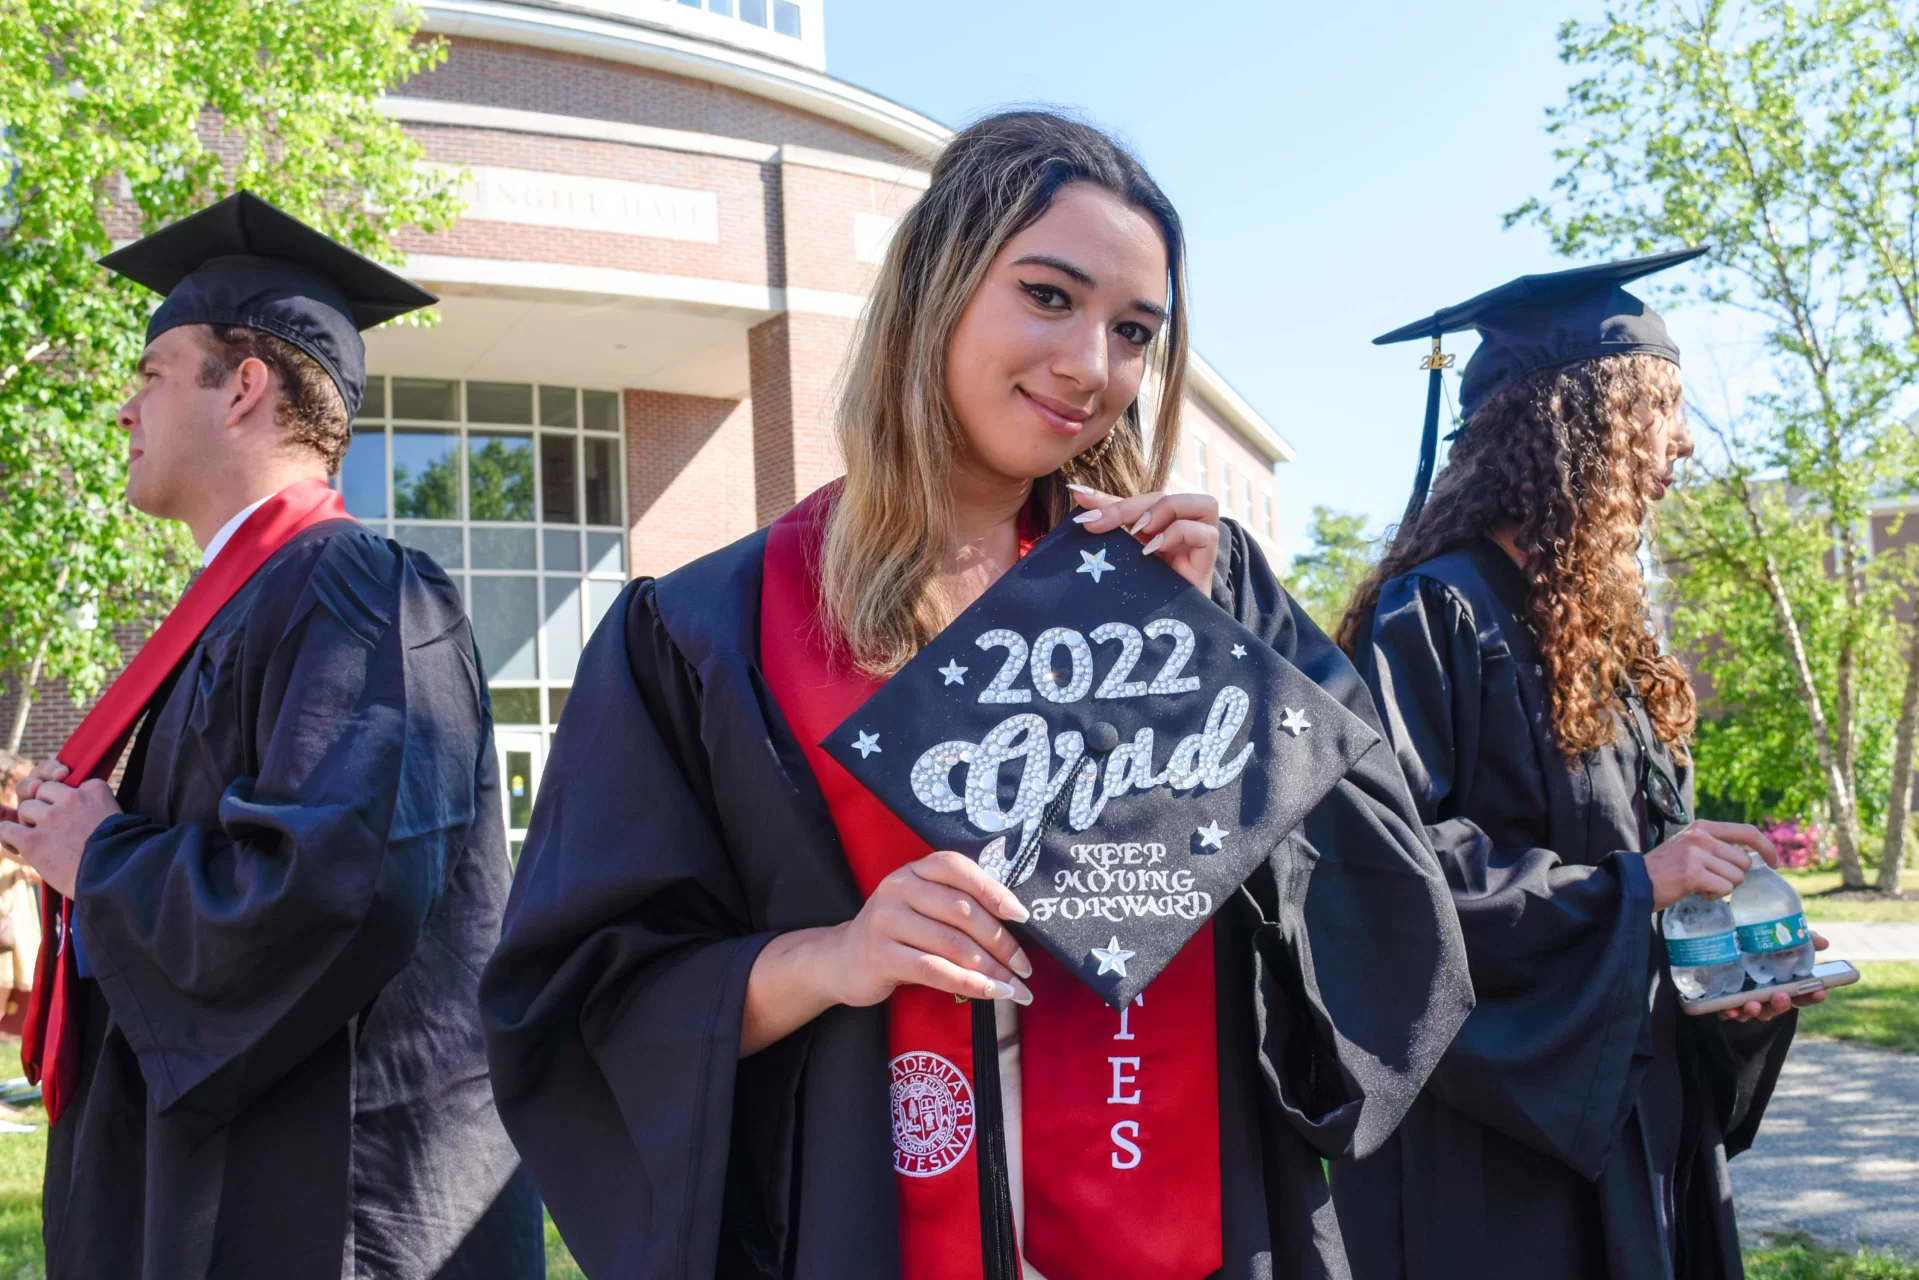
(1774,942)
(1702,946)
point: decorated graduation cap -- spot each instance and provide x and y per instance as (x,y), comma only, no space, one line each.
(1534,323)
(244,262)
(1109,743)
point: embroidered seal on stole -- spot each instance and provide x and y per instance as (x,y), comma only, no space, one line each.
(933,1116)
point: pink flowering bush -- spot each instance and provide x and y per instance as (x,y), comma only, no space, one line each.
(1801,844)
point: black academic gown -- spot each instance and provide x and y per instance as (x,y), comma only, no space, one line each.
(282,1072)
(1580,1124)
(679,828)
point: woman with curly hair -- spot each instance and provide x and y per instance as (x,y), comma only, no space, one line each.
(1579,1124)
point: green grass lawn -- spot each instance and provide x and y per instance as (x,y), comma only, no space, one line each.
(1881,1009)
(1854,907)
(1783,1261)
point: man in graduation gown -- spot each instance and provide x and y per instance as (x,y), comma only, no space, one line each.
(1580,1124)
(257,1028)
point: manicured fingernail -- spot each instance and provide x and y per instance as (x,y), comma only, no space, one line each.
(1021,995)
(1080,488)
(997,990)
(1020,964)
(1016,912)
(1152,546)
(1140,523)
(1087,517)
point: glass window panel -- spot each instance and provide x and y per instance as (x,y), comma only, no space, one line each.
(506,616)
(1199,464)
(426,473)
(373,403)
(600,410)
(499,477)
(363,474)
(502,548)
(721,6)
(600,595)
(515,706)
(438,541)
(753,11)
(786,18)
(602,482)
(435,399)
(562,628)
(519,786)
(558,407)
(555,704)
(499,402)
(559,487)
(606,553)
(562,550)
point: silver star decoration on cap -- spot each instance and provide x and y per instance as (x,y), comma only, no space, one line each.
(1295,721)
(1094,562)
(1210,836)
(1239,651)
(866,744)
(1112,959)
(953,671)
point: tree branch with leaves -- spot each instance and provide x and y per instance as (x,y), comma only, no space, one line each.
(118,116)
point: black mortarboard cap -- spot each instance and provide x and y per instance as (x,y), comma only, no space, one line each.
(244,262)
(1534,323)
(1103,737)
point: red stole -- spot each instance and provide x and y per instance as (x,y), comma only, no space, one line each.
(49,1043)
(1120,1119)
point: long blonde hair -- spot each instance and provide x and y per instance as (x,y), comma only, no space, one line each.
(892,527)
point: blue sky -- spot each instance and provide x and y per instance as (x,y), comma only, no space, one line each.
(1342,170)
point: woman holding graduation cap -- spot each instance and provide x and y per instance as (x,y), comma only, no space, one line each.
(1580,1123)
(739,1022)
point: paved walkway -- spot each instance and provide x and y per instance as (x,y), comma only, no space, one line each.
(1864,942)
(1838,1154)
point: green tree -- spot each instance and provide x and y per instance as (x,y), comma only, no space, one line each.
(1782,135)
(500,478)
(1324,578)
(117,116)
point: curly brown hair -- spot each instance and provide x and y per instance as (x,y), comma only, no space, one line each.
(310,407)
(1560,458)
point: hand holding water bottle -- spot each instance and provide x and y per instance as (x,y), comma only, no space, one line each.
(1706,858)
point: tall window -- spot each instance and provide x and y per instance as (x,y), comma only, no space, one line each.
(516,491)
(1199,464)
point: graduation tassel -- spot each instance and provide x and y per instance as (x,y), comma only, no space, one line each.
(998,1247)
(999,1251)
(1435,364)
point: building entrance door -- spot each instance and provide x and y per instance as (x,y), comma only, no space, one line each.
(522,758)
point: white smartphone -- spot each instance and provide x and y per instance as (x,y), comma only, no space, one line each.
(1833,973)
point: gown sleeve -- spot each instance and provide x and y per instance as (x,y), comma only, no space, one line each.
(614,1004)
(1561,953)
(1361,964)
(231,950)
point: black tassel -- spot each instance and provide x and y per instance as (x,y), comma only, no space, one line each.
(1428,449)
(998,1249)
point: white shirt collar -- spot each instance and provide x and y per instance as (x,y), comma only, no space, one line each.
(227,531)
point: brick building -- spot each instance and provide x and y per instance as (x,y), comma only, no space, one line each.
(674,215)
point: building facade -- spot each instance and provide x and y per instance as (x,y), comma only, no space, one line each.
(674,215)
